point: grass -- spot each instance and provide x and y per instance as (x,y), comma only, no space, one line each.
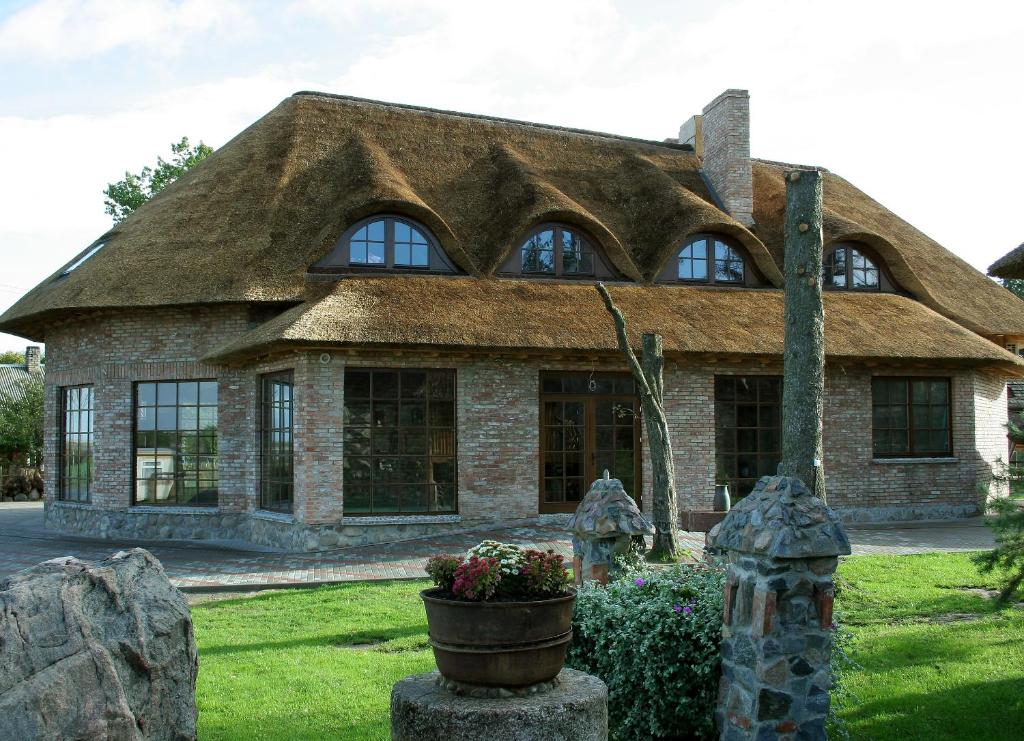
(938,661)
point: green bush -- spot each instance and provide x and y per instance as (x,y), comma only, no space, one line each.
(653,637)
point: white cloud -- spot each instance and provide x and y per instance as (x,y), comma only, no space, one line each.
(63,30)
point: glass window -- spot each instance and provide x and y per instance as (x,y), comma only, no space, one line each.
(727,265)
(748,430)
(277,472)
(389,242)
(82,259)
(558,251)
(911,417)
(76,441)
(848,267)
(399,442)
(411,247)
(176,446)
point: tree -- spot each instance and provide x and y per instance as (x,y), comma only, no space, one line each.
(21,421)
(1008,525)
(803,387)
(124,196)
(1014,286)
(650,382)
(12,357)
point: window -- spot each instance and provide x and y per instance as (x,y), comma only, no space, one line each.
(911,417)
(709,259)
(399,442)
(76,430)
(385,242)
(848,267)
(748,430)
(82,259)
(557,251)
(276,442)
(176,443)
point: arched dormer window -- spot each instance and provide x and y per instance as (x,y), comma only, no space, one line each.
(557,251)
(386,242)
(846,266)
(710,258)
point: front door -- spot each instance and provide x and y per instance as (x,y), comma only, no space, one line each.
(589,422)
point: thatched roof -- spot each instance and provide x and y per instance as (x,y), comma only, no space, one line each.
(245,224)
(530,315)
(1010,265)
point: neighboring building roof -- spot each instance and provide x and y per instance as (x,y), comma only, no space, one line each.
(11,379)
(1010,265)
(247,222)
(499,314)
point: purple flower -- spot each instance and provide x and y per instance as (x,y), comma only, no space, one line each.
(687,610)
(640,582)
(677,608)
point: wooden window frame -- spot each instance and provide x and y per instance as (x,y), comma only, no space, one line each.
(267,451)
(709,239)
(63,480)
(558,247)
(136,406)
(339,259)
(736,428)
(909,403)
(427,429)
(851,247)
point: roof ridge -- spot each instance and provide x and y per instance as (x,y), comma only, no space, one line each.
(493,119)
(791,164)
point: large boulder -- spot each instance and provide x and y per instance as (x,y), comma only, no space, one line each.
(96,651)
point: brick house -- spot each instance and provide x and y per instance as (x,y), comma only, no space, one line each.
(361,322)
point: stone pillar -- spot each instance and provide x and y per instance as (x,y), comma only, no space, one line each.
(782,544)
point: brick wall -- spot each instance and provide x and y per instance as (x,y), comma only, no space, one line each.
(498,437)
(726,163)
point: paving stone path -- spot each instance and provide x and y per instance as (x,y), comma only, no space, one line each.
(202,567)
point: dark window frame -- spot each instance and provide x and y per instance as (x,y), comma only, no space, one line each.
(558,229)
(177,454)
(710,260)
(339,259)
(63,479)
(278,452)
(866,252)
(909,404)
(736,431)
(375,455)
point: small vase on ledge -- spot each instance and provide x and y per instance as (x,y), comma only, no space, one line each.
(721,502)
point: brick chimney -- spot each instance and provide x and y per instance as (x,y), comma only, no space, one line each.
(721,138)
(32,359)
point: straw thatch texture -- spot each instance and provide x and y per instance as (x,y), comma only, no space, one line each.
(1010,265)
(491,313)
(247,222)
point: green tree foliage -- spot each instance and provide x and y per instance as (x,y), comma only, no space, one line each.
(1014,286)
(21,421)
(124,196)
(1008,525)
(12,357)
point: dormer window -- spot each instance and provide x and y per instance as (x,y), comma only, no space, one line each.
(388,242)
(847,267)
(558,251)
(707,258)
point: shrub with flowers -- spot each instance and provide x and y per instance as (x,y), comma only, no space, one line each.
(653,636)
(501,571)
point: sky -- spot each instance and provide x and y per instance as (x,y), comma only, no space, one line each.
(919,104)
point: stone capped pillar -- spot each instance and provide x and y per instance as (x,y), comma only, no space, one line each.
(783,545)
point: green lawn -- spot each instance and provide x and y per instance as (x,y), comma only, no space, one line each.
(938,662)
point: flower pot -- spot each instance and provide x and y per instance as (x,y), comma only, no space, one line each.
(722,501)
(499,644)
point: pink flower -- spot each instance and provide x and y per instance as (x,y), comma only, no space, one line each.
(687,610)
(640,582)
(677,608)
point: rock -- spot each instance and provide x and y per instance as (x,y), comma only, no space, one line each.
(34,495)
(20,498)
(96,651)
(576,709)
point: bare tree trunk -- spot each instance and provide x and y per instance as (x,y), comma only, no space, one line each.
(650,382)
(804,355)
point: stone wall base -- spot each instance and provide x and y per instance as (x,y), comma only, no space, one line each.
(270,530)
(907,514)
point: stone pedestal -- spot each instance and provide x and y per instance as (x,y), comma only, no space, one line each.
(576,709)
(782,545)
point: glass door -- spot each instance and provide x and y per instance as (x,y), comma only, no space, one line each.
(589,422)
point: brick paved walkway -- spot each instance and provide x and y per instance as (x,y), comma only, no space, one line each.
(194,567)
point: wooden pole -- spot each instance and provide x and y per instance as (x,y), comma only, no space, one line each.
(804,355)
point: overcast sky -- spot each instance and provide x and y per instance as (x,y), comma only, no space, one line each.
(918,104)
